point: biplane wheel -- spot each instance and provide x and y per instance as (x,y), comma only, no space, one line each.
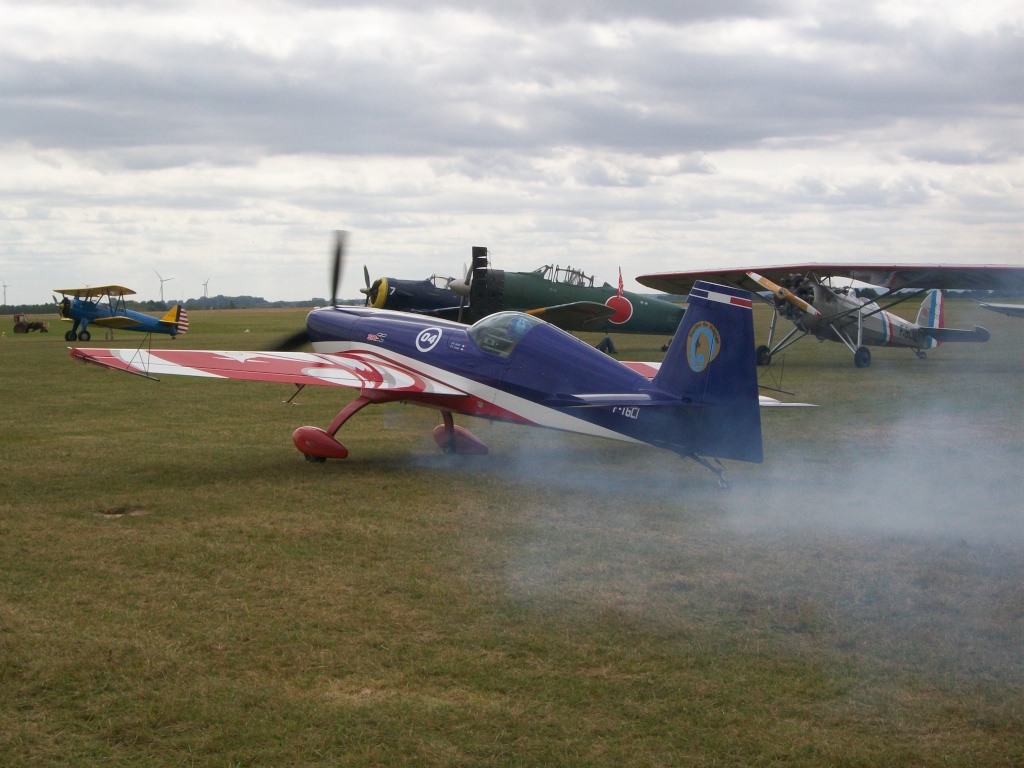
(764,355)
(70,336)
(84,336)
(862,357)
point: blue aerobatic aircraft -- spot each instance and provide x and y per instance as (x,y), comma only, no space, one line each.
(701,402)
(85,306)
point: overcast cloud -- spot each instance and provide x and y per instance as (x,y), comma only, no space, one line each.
(224,141)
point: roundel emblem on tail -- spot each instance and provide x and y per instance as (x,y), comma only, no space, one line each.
(702,345)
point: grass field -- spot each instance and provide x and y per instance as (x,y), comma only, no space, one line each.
(180,588)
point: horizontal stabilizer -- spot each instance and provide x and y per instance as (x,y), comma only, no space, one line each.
(627,399)
(957,334)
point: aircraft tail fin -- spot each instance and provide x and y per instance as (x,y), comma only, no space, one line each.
(932,315)
(177,315)
(710,364)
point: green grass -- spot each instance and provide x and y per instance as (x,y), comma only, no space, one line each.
(179,587)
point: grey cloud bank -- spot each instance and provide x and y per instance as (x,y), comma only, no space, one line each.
(225,141)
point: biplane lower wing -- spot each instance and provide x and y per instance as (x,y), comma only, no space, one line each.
(120,322)
(354,369)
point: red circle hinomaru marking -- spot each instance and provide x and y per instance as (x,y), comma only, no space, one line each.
(623,309)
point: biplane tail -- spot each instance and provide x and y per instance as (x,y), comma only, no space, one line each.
(932,315)
(177,316)
(711,364)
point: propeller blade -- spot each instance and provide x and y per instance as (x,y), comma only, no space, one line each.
(339,255)
(462,287)
(301,338)
(366,277)
(783,293)
(293,342)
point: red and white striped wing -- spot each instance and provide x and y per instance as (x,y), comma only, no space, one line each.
(356,369)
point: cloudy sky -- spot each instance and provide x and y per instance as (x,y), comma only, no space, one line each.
(225,141)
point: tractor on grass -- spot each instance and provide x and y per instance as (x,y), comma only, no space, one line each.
(23,325)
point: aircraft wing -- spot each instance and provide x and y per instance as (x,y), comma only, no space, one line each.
(576,316)
(891,276)
(1011,310)
(90,292)
(115,321)
(356,369)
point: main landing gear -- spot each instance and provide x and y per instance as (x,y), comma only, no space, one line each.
(319,445)
(862,357)
(72,336)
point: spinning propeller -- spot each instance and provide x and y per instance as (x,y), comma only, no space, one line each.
(301,338)
(783,294)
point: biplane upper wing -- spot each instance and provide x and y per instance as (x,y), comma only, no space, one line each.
(357,369)
(891,276)
(92,292)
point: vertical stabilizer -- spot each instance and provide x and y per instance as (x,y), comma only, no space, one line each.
(932,315)
(177,316)
(710,363)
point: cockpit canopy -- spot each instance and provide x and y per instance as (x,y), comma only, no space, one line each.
(499,333)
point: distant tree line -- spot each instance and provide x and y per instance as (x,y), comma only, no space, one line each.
(256,302)
(213,302)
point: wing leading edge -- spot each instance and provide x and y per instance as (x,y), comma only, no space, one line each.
(357,370)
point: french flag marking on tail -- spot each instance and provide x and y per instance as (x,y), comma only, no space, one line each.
(932,315)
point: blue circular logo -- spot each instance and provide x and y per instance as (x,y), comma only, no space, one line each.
(702,346)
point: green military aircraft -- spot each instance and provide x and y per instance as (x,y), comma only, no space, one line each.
(563,296)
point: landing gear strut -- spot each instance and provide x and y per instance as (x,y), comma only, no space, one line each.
(712,465)
(318,445)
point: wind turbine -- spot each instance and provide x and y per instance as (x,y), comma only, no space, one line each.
(5,291)
(206,293)
(162,281)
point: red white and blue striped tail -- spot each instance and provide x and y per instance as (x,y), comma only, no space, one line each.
(932,315)
(177,316)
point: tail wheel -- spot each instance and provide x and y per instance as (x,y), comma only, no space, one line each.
(862,357)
